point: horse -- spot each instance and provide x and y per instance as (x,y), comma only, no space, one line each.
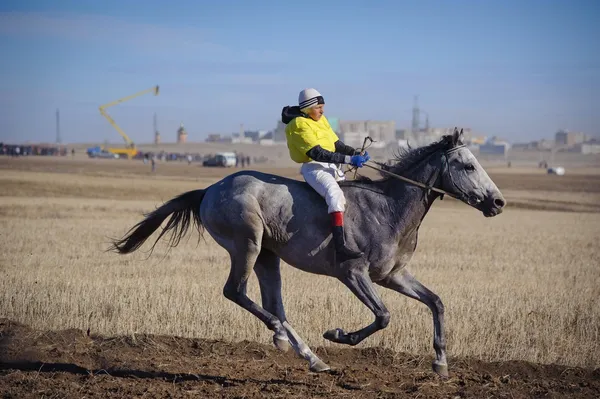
(262,218)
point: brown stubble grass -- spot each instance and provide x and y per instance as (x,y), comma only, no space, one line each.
(524,285)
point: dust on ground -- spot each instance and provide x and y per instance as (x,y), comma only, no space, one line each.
(74,364)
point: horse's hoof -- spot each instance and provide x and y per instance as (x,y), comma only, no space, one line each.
(440,369)
(333,335)
(282,344)
(319,366)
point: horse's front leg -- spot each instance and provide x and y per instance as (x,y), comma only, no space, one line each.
(404,283)
(361,285)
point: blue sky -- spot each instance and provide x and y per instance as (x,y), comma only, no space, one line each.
(516,69)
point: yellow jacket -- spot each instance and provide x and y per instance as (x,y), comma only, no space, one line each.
(302,134)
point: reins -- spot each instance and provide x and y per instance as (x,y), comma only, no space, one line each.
(427,187)
(407,180)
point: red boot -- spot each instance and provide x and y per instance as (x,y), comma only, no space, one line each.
(342,251)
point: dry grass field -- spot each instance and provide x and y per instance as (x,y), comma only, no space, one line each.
(522,286)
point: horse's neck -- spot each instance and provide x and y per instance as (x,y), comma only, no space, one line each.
(411,205)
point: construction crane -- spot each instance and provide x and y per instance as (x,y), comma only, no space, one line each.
(130,151)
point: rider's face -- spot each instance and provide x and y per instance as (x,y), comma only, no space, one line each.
(315,113)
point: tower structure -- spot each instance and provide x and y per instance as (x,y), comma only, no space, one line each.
(181,134)
(58,138)
(416,116)
(156,133)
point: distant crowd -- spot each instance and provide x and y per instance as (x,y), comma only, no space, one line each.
(169,156)
(16,150)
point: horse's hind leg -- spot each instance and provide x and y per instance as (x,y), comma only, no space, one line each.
(269,278)
(404,283)
(243,258)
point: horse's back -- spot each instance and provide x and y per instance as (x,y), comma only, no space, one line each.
(273,207)
(266,193)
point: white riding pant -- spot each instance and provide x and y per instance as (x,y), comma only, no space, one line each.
(323,178)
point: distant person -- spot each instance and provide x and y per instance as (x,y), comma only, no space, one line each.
(313,143)
(248,161)
(153,163)
(189,159)
(243,161)
(72,152)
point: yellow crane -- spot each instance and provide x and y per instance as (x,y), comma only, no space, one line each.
(130,149)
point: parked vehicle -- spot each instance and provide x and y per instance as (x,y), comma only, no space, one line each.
(221,159)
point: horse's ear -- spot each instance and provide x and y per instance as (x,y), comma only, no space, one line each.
(456,136)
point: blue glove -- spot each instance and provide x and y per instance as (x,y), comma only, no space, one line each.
(359,160)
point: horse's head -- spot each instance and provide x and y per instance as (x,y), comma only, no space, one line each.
(464,178)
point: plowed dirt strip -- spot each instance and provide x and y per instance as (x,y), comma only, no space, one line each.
(71,364)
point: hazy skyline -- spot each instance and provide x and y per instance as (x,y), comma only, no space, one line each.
(519,70)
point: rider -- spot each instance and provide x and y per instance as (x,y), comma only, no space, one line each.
(313,143)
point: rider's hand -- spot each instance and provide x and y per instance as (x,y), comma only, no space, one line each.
(359,160)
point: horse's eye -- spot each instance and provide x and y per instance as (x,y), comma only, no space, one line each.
(470,167)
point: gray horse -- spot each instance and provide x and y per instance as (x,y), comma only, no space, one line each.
(261,218)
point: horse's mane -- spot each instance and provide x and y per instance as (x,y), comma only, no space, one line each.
(407,157)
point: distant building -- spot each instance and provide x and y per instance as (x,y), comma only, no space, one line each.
(353,133)
(544,144)
(354,139)
(236,138)
(479,140)
(402,134)
(568,139)
(218,138)
(538,145)
(494,146)
(213,138)
(254,135)
(589,147)
(181,134)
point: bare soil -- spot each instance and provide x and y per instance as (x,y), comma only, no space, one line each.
(75,364)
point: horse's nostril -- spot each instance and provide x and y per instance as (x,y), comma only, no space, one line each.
(499,202)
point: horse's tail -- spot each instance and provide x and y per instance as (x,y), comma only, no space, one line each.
(183,209)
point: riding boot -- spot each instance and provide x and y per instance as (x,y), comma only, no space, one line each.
(342,251)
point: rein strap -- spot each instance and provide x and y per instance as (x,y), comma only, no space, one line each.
(416,183)
(413,182)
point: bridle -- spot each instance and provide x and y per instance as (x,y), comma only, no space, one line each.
(469,199)
(430,186)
